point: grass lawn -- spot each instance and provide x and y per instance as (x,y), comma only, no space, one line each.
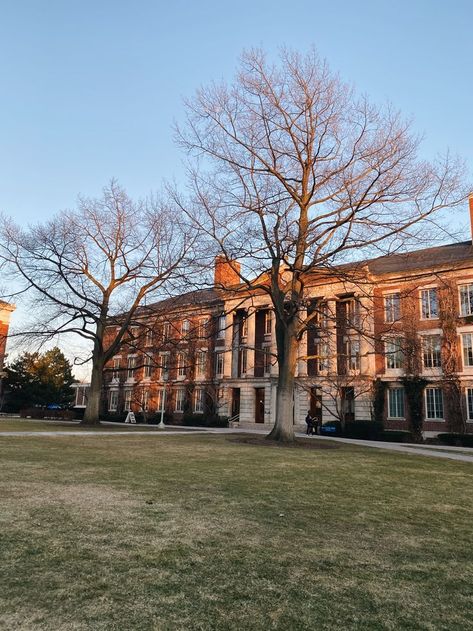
(205,532)
(14,424)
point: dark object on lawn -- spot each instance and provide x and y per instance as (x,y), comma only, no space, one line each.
(364,430)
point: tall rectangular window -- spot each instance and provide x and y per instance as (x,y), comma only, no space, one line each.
(396,403)
(353,313)
(202,328)
(268,322)
(469,403)
(244,326)
(130,373)
(166,331)
(434,404)
(432,351)
(113,401)
(394,353)
(200,363)
(323,354)
(127,406)
(116,369)
(149,338)
(144,400)
(466,299)
(185,328)
(159,399)
(467,344)
(430,305)
(164,366)
(353,353)
(147,367)
(267,358)
(219,359)
(221,327)
(180,400)
(198,400)
(243,360)
(181,365)
(392,307)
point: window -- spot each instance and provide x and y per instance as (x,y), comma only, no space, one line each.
(200,363)
(198,400)
(467,343)
(149,338)
(469,403)
(429,303)
(185,328)
(267,359)
(164,366)
(221,326)
(353,313)
(113,400)
(144,400)
(127,405)
(202,328)
(243,360)
(394,353)
(181,365)
(323,354)
(81,396)
(130,373)
(166,331)
(434,404)
(466,300)
(244,326)
(267,322)
(431,351)
(392,307)
(396,403)
(159,399)
(219,358)
(180,399)
(147,367)
(116,369)
(353,353)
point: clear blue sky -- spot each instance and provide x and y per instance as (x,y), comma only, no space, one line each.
(90,88)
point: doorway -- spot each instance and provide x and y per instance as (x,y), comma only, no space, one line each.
(348,404)
(235,402)
(316,405)
(259,405)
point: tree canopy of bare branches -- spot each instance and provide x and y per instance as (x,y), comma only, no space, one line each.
(94,266)
(293,172)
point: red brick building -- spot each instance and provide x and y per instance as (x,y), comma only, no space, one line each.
(5,313)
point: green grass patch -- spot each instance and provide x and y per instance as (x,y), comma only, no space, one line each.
(206,532)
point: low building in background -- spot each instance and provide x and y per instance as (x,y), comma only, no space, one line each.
(6,310)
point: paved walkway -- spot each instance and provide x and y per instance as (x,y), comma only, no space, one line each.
(463,454)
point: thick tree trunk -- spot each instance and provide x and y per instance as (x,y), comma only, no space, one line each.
(283,429)
(92,411)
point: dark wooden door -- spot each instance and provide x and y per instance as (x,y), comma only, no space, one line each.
(235,401)
(259,405)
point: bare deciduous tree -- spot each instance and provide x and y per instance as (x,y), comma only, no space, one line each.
(294,173)
(88,271)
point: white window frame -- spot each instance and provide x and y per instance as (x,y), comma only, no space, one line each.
(243,360)
(147,367)
(116,368)
(426,311)
(128,400)
(130,367)
(145,399)
(435,403)
(396,409)
(469,404)
(467,351)
(221,326)
(113,401)
(268,322)
(267,359)
(166,331)
(185,328)
(201,364)
(199,400)
(353,354)
(396,355)
(179,399)
(430,352)
(181,366)
(219,363)
(159,399)
(164,366)
(392,309)
(469,304)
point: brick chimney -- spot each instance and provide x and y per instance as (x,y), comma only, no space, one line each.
(470,199)
(226,272)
